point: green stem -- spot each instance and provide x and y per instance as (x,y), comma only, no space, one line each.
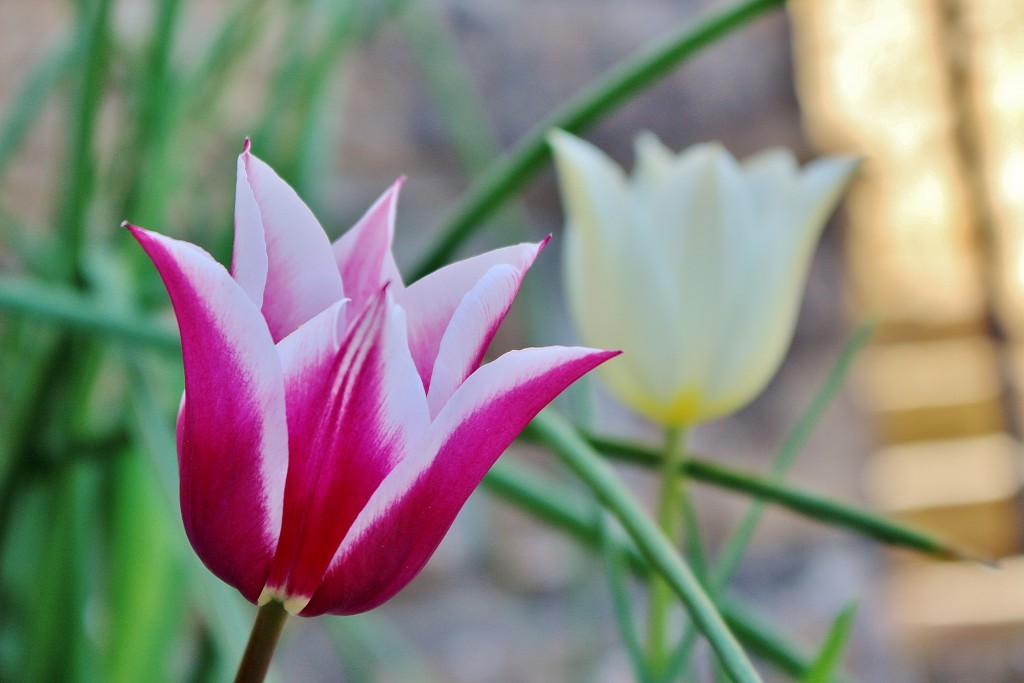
(737,544)
(94,48)
(262,641)
(668,516)
(511,171)
(592,470)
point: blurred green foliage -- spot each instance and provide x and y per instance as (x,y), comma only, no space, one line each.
(97,581)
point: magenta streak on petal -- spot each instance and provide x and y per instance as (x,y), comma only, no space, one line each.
(350,417)
(363,254)
(431,301)
(302,277)
(232,436)
(409,514)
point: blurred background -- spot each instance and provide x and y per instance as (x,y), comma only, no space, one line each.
(135,110)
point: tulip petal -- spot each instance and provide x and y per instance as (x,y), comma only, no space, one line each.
(774,264)
(302,276)
(472,327)
(249,262)
(653,159)
(232,435)
(404,521)
(353,410)
(363,254)
(432,301)
(594,188)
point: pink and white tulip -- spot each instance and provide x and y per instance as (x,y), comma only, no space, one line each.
(335,421)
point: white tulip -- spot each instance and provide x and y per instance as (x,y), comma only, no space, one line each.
(694,267)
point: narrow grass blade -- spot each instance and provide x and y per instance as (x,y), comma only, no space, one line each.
(553,505)
(30,98)
(764,641)
(152,138)
(93,47)
(737,544)
(593,471)
(235,38)
(810,505)
(520,164)
(622,601)
(829,658)
(59,647)
(145,608)
(372,650)
(66,307)
(224,612)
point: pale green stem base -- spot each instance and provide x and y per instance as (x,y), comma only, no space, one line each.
(661,596)
(262,641)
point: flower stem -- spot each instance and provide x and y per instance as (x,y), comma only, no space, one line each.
(262,641)
(510,172)
(576,454)
(668,515)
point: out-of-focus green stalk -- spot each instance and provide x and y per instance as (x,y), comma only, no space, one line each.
(737,544)
(234,40)
(30,98)
(299,85)
(153,124)
(28,417)
(58,644)
(592,470)
(145,606)
(811,505)
(509,173)
(450,87)
(471,131)
(73,310)
(92,52)
(622,600)
(831,653)
(24,394)
(371,650)
(764,640)
(295,126)
(552,504)
(222,609)
(673,457)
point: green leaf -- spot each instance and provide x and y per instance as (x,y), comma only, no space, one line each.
(145,576)
(235,38)
(59,646)
(763,640)
(813,506)
(372,649)
(593,471)
(830,656)
(513,170)
(737,544)
(68,308)
(227,616)
(153,136)
(30,98)
(622,603)
(555,506)
(93,47)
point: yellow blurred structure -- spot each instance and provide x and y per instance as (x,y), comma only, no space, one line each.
(931,94)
